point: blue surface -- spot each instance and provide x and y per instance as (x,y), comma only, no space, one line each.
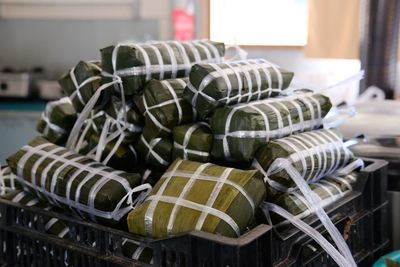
(395,256)
(6,105)
(16,129)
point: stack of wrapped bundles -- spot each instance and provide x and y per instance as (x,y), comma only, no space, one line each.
(144,128)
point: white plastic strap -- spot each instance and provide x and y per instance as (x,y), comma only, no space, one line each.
(172,56)
(47,113)
(160,61)
(183,194)
(213,197)
(150,146)
(314,202)
(148,217)
(201,208)
(314,234)
(73,137)
(183,174)
(338,116)
(175,98)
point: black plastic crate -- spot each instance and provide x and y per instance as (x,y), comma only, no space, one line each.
(24,242)
(306,252)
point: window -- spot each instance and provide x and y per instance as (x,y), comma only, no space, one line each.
(259,22)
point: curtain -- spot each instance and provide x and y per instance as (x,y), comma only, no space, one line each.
(333,29)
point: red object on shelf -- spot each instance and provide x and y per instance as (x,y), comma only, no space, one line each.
(183,23)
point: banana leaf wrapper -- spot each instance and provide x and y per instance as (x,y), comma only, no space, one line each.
(134,122)
(195,196)
(329,189)
(74,182)
(156,152)
(216,85)
(163,106)
(136,251)
(193,142)
(57,120)
(81,82)
(124,158)
(241,129)
(312,154)
(138,63)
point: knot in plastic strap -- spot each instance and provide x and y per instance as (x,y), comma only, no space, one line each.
(145,188)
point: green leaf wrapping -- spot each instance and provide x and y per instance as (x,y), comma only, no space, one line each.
(192,142)
(57,120)
(72,181)
(163,106)
(313,154)
(329,189)
(124,158)
(137,63)
(241,129)
(195,196)
(216,85)
(88,80)
(156,152)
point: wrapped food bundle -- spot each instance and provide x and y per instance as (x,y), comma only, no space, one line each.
(81,82)
(74,182)
(215,85)
(192,142)
(241,129)
(57,120)
(156,152)
(163,106)
(137,63)
(328,189)
(195,196)
(312,154)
